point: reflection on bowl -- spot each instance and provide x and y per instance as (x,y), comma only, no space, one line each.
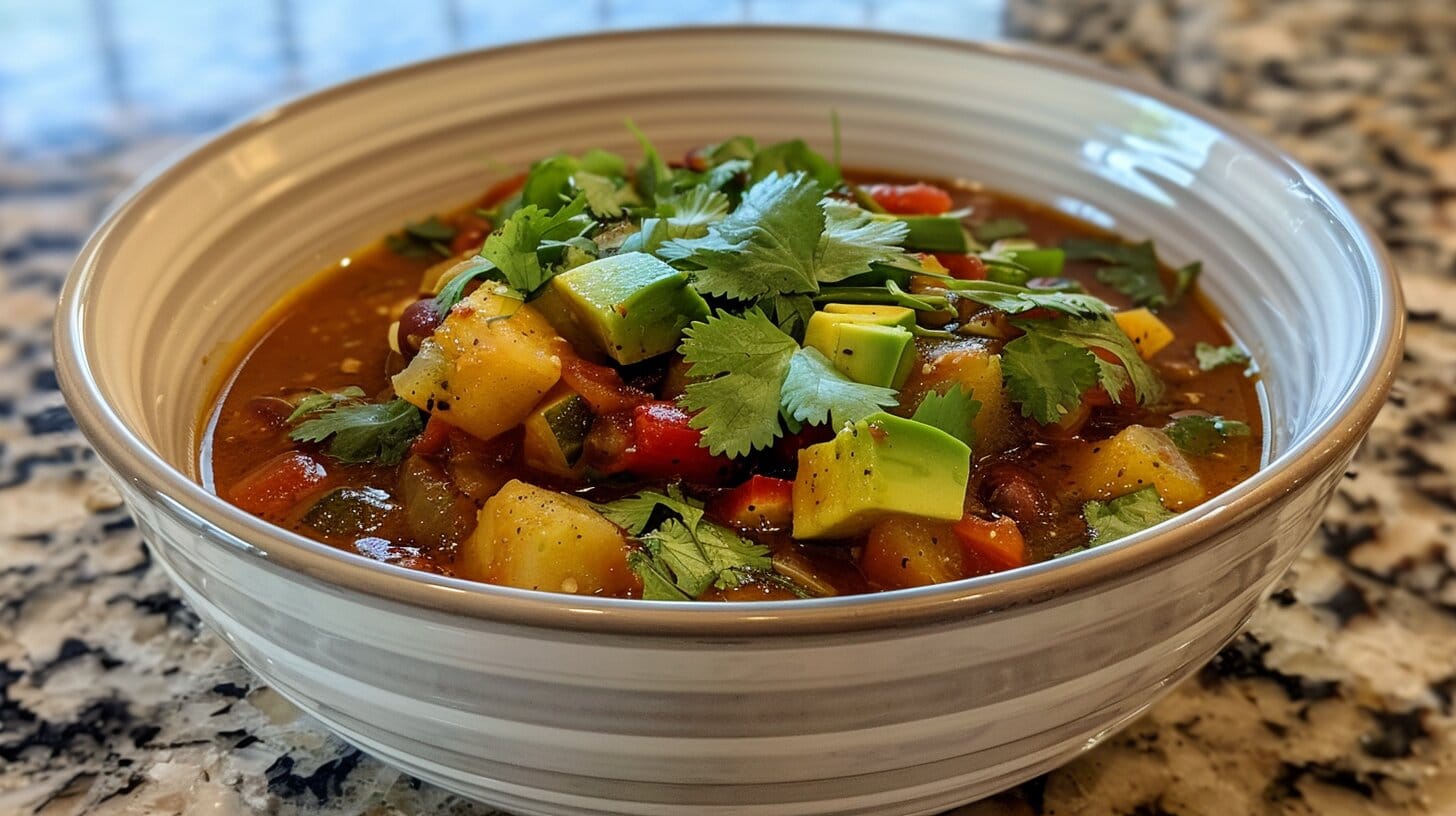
(905,702)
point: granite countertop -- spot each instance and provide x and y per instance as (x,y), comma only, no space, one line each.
(1337,700)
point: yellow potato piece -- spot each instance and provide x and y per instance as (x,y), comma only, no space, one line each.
(978,371)
(486,366)
(1148,333)
(533,538)
(1137,457)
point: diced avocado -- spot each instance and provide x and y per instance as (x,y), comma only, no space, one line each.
(824,326)
(875,355)
(868,344)
(631,306)
(877,467)
(555,432)
(880,315)
(932,233)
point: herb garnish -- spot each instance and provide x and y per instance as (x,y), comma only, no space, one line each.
(1201,434)
(1121,517)
(422,239)
(1211,356)
(685,555)
(357,431)
(952,412)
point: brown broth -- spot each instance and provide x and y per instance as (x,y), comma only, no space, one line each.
(331,333)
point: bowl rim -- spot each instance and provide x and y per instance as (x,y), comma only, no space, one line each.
(337,571)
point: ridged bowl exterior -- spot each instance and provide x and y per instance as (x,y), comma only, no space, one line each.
(904,703)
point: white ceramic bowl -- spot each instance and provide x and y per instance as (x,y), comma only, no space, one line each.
(907,702)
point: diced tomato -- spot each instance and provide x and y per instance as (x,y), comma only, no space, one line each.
(275,486)
(990,546)
(665,446)
(470,232)
(761,503)
(432,440)
(910,199)
(600,386)
(962,267)
(695,161)
(502,190)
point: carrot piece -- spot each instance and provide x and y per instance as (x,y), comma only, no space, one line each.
(990,546)
(275,486)
(911,199)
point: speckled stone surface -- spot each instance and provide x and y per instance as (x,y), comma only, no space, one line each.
(1338,699)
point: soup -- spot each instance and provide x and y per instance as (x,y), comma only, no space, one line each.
(744,375)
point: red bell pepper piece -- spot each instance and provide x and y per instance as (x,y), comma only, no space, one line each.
(664,446)
(910,199)
(275,486)
(761,503)
(432,440)
(601,386)
(990,546)
(962,267)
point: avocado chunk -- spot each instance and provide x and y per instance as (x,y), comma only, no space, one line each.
(932,233)
(630,306)
(868,344)
(877,467)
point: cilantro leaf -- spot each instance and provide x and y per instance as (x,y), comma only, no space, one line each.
(793,156)
(679,551)
(1131,269)
(1211,356)
(513,249)
(605,196)
(737,148)
(654,177)
(548,182)
(1013,299)
(815,390)
(1121,517)
(1047,376)
(765,247)
(694,559)
(989,232)
(694,207)
(952,412)
(1202,434)
(454,290)
(422,239)
(733,557)
(634,513)
(747,358)
(362,432)
(1103,334)
(321,400)
(790,313)
(657,582)
(853,240)
(1185,278)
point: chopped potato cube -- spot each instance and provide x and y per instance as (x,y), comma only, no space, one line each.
(486,366)
(1135,458)
(534,538)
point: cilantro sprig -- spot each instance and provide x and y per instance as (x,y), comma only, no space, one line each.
(1203,434)
(1210,356)
(685,554)
(1121,517)
(952,411)
(357,431)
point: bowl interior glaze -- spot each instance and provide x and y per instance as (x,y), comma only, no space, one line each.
(194,257)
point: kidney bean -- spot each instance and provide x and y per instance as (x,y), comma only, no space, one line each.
(417,322)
